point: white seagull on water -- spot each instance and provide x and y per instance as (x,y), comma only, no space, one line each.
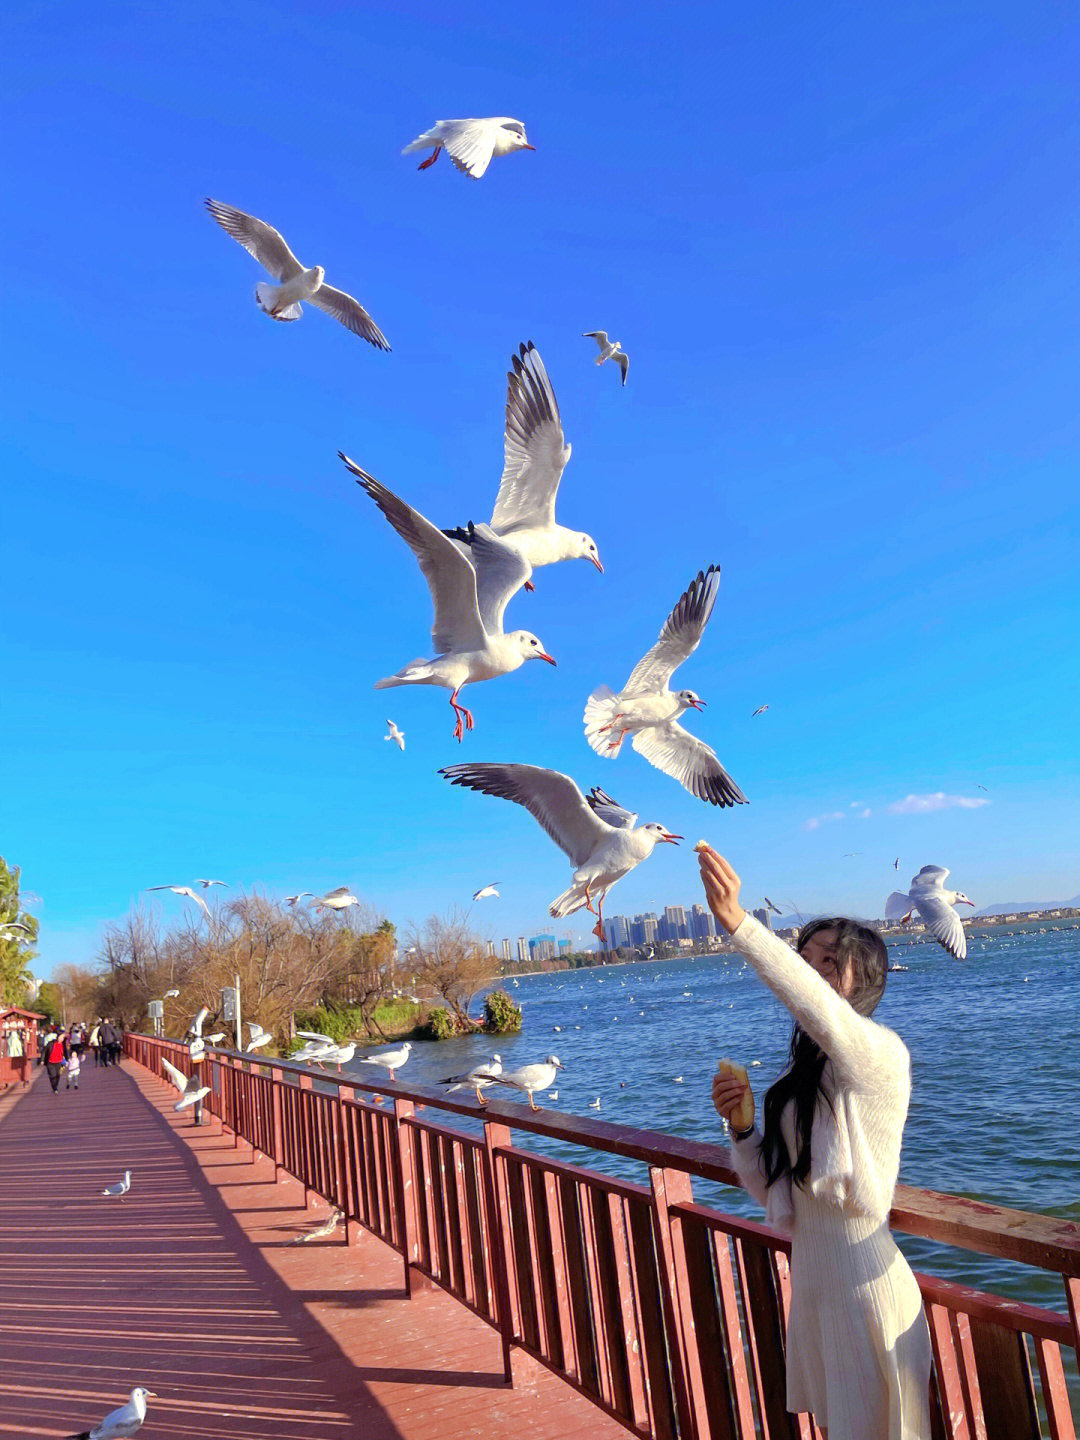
(530,1078)
(389,1059)
(296,284)
(182,890)
(122,1422)
(398,736)
(599,836)
(649,711)
(469,596)
(471,144)
(935,904)
(535,452)
(609,350)
(487,891)
(191,1092)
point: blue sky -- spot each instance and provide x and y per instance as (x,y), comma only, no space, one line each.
(840,247)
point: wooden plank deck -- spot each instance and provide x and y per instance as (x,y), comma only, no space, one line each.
(192,1286)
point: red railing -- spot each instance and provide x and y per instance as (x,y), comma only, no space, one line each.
(668,1315)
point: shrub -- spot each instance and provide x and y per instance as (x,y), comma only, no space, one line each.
(501,1015)
(441,1024)
(340,1023)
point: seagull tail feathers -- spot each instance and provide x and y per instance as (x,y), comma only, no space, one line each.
(422,142)
(266,297)
(897,905)
(600,711)
(569,901)
(415,673)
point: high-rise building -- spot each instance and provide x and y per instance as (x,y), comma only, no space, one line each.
(564,947)
(491,948)
(507,950)
(543,947)
(617,931)
(645,928)
(763,916)
(522,948)
(677,928)
(702,924)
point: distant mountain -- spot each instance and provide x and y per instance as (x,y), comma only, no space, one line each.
(1021,907)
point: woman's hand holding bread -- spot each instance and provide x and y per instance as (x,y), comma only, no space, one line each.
(732,1095)
(721,887)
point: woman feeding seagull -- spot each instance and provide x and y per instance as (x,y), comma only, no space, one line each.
(469,601)
(601,838)
(649,711)
(471,144)
(824,1165)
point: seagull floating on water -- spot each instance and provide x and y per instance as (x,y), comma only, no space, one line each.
(649,711)
(398,736)
(609,350)
(282,301)
(935,904)
(487,892)
(389,1059)
(478,1078)
(469,596)
(122,1422)
(120,1189)
(603,847)
(531,1078)
(471,144)
(535,453)
(191,1091)
(182,890)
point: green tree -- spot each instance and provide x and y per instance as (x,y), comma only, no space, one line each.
(18,935)
(50,1001)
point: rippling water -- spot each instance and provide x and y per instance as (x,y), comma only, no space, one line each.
(994,1044)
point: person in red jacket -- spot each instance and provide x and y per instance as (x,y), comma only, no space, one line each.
(56,1052)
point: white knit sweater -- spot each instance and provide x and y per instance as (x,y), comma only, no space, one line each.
(855,1146)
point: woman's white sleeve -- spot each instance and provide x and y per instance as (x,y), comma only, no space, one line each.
(746,1157)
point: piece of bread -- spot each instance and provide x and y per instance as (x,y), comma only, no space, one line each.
(702,845)
(742,1117)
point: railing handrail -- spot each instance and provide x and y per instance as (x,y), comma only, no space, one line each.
(1041,1241)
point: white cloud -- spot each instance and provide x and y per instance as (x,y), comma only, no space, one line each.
(927,804)
(816,821)
(866,813)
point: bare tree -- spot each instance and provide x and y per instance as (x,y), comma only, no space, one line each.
(453,963)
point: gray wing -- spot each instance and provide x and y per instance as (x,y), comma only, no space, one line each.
(690,761)
(451,578)
(258,239)
(549,796)
(680,636)
(930,877)
(535,451)
(600,336)
(350,313)
(609,810)
(623,362)
(943,923)
(501,571)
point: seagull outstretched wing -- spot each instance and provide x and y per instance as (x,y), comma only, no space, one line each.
(679,637)
(549,796)
(690,761)
(258,239)
(534,447)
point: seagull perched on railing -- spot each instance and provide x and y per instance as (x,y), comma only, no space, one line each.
(296,284)
(389,1059)
(120,1423)
(191,1092)
(478,1078)
(609,350)
(469,596)
(649,711)
(602,848)
(535,454)
(471,144)
(935,904)
(182,890)
(530,1078)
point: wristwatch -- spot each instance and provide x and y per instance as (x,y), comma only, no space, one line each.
(740,1134)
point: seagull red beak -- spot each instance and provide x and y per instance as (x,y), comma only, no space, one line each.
(543,655)
(593,558)
(671,839)
(528,147)
(967,902)
(698,704)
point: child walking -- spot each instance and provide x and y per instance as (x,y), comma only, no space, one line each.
(74,1069)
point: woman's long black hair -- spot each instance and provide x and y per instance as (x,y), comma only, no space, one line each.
(863,949)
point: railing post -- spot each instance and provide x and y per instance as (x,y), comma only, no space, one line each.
(672,1187)
(404,1141)
(499,1137)
(305,1135)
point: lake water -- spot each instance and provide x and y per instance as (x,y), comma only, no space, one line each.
(994,1042)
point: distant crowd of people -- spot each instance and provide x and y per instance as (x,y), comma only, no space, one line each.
(61,1051)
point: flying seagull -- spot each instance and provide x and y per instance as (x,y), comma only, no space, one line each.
(982,787)
(770,906)
(191,1092)
(339,899)
(471,144)
(259,1037)
(478,1078)
(535,453)
(487,891)
(759,711)
(10,925)
(120,1423)
(291,900)
(896,863)
(282,301)
(530,1078)
(609,350)
(935,904)
(120,1189)
(390,1060)
(469,596)
(183,890)
(601,850)
(207,883)
(398,736)
(649,711)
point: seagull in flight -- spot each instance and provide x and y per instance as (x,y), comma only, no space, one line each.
(282,301)
(602,849)
(191,1092)
(339,899)
(398,736)
(982,787)
(531,1078)
(259,1037)
(759,711)
(469,596)
(609,350)
(291,900)
(770,906)
(935,904)
(10,925)
(122,1422)
(207,883)
(649,711)
(471,144)
(182,890)
(535,454)
(896,863)
(487,891)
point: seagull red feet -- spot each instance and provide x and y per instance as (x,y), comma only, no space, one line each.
(430,159)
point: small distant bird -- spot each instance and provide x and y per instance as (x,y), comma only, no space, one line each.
(601,849)
(339,899)
(120,1423)
(677,1080)
(553,1094)
(390,1060)
(10,925)
(478,1078)
(649,710)
(487,891)
(207,883)
(259,1037)
(595,1104)
(282,301)
(896,863)
(291,900)
(215,1039)
(398,736)
(770,906)
(759,711)
(850,854)
(609,350)
(982,787)
(191,1092)
(471,144)
(531,1078)
(935,904)
(120,1189)
(182,890)
(320,1232)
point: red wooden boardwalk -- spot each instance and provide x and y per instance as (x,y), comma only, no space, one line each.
(192,1286)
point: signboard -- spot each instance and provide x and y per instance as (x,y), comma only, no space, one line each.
(228,1003)
(156,1009)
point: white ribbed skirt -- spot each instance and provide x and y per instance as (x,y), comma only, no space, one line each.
(858,1345)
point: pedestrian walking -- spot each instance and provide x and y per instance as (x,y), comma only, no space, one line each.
(74,1069)
(95,1041)
(107,1042)
(56,1054)
(117,1044)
